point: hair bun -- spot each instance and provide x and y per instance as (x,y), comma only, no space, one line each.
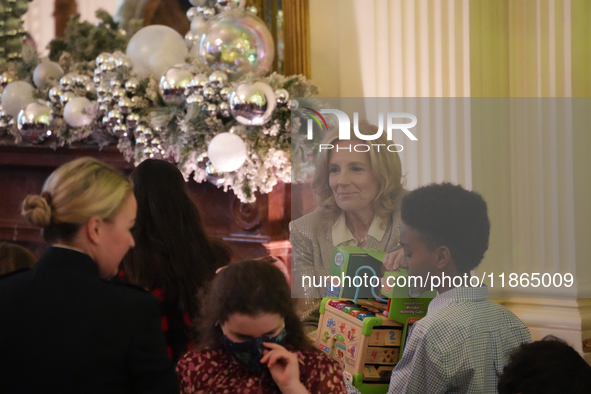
(36,210)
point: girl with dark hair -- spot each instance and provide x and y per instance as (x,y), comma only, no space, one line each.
(173,257)
(252,340)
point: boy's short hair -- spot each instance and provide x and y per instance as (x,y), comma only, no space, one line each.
(449,215)
(548,366)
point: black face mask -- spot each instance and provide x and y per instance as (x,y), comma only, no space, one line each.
(249,353)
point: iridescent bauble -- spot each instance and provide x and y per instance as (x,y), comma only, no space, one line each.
(252,105)
(237,42)
(15,96)
(154,49)
(173,84)
(47,73)
(282,96)
(35,122)
(227,152)
(80,111)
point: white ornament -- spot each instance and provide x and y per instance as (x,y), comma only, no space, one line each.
(46,72)
(154,49)
(15,96)
(227,152)
(79,112)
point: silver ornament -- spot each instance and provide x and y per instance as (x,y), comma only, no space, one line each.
(102,58)
(68,80)
(67,96)
(115,83)
(192,39)
(104,108)
(118,93)
(98,72)
(252,104)
(102,90)
(125,104)
(212,109)
(218,78)
(294,104)
(208,93)
(140,141)
(192,13)
(54,94)
(282,96)
(195,98)
(123,63)
(132,85)
(81,80)
(206,11)
(6,78)
(198,82)
(35,122)
(224,109)
(106,121)
(97,80)
(107,67)
(132,119)
(115,117)
(120,130)
(225,92)
(173,84)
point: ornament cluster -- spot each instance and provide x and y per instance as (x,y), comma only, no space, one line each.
(207,104)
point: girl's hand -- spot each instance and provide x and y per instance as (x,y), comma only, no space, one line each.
(284,368)
(394,260)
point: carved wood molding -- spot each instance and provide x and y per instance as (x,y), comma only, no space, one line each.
(297,37)
(62,10)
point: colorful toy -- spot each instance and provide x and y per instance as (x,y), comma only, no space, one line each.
(360,334)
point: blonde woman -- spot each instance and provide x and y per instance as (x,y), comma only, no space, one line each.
(359,195)
(64,328)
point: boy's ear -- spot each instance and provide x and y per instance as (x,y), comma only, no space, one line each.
(443,257)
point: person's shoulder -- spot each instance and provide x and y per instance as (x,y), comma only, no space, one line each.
(315,358)
(312,218)
(14,278)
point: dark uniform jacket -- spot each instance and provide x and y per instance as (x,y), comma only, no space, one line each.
(65,330)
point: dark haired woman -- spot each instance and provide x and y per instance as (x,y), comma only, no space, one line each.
(252,340)
(173,258)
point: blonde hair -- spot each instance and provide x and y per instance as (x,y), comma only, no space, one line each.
(387,169)
(74,193)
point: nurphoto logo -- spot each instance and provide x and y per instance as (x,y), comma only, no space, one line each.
(345,128)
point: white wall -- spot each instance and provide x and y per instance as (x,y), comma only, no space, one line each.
(39,20)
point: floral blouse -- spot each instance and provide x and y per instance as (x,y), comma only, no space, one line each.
(215,371)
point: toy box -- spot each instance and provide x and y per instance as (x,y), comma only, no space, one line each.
(365,338)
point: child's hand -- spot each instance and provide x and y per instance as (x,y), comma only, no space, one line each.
(284,368)
(395,260)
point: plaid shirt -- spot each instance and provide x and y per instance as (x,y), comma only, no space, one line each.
(175,324)
(460,346)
